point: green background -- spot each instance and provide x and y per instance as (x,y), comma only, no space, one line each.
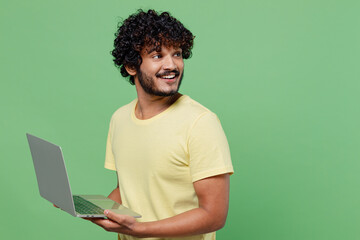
(283,77)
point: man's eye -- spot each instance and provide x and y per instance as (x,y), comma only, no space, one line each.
(178,54)
(157,56)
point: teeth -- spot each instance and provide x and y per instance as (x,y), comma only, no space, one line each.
(169,76)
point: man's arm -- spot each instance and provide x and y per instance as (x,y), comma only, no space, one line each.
(213,195)
(115,194)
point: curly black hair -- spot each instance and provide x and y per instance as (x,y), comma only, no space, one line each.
(144,29)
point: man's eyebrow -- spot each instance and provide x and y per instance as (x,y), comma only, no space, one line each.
(151,50)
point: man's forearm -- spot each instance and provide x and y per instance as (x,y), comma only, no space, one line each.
(193,222)
(213,195)
(115,195)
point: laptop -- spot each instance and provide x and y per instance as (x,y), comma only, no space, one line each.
(54,184)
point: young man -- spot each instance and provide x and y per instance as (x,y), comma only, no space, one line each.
(170,153)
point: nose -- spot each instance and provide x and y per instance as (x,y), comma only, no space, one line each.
(169,63)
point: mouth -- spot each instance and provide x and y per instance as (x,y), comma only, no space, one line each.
(168,76)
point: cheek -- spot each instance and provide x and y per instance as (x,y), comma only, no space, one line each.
(149,68)
(180,65)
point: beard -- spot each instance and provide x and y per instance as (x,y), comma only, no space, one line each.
(147,83)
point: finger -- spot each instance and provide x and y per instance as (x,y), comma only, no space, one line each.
(108,225)
(120,219)
(100,222)
(97,220)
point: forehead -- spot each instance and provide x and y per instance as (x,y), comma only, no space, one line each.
(159,48)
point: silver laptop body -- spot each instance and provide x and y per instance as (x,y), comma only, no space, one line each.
(54,184)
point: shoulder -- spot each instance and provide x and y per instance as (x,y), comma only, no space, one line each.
(192,111)
(123,111)
(192,108)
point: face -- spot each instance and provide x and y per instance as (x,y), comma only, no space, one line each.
(160,73)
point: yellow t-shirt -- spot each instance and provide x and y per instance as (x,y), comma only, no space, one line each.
(158,159)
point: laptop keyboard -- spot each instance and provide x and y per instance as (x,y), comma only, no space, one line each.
(83,206)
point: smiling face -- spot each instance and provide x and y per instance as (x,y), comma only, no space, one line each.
(160,72)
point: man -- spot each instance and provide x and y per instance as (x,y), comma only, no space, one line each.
(170,153)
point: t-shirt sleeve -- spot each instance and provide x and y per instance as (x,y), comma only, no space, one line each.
(208,148)
(109,155)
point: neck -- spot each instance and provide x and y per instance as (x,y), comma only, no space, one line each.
(149,106)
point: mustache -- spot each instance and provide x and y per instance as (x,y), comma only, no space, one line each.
(176,72)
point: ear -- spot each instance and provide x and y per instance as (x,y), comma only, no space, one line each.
(131,70)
